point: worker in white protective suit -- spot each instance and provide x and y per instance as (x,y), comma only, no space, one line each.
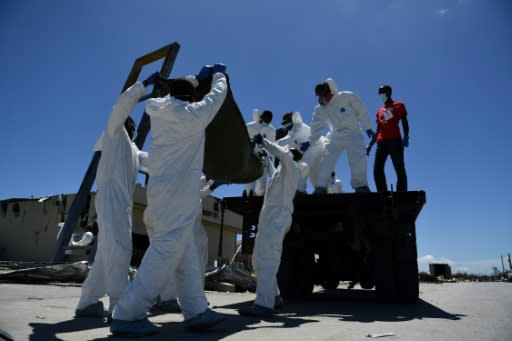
(115,178)
(167,301)
(261,125)
(344,113)
(335,185)
(176,160)
(298,137)
(274,222)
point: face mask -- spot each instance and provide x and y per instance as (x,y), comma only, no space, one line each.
(323,100)
(383,97)
(134,135)
(263,123)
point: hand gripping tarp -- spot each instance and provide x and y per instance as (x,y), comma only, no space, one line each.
(228,155)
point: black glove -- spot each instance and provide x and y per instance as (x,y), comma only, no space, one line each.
(258,139)
(208,71)
(151,79)
(205,72)
(304,146)
(371,134)
(219,67)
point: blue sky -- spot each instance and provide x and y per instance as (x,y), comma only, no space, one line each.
(64,64)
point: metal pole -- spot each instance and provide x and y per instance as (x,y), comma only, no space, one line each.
(75,210)
(221,236)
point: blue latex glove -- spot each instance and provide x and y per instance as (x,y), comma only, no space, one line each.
(406,141)
(151,79)
(370,134)
(205,72)
(258,139)
(219,67)
(304,146)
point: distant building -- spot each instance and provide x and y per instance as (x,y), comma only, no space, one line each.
(440,269)
(29,227)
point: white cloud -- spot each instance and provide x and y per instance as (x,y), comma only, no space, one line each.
(424,261)
(482,267)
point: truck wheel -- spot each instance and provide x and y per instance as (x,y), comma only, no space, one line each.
(366,283)
(330,284)
(366,276)
(407,282)
(295,275)
(406,265)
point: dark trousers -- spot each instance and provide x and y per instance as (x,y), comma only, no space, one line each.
(395,149)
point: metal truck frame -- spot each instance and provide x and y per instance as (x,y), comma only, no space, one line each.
(368,238)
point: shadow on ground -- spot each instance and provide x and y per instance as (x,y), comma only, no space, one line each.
(361,306)
(346,305)
(357,305)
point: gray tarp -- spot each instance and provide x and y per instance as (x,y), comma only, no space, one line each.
(228,149)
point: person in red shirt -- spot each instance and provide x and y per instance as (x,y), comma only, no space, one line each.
(389,140)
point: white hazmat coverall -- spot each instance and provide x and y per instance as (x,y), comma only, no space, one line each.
(274,222)
(343,115)
(298,134)
(201,240)
(267,131)
(175,167)
(115,178)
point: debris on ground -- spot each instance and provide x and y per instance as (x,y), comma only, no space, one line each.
(376,335)
(227,278)
(19,272)
(234,274)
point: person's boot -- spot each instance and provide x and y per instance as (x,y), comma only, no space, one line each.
(92,310)
(203,321)
(137,328)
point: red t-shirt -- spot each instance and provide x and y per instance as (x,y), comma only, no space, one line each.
(388,118)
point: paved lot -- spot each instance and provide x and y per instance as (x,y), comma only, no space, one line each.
(458,311)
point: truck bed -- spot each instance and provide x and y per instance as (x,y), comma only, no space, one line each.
(368,238)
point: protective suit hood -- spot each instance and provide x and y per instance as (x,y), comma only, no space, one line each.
(296,118)
(256,113)
(332,85)
(98,146)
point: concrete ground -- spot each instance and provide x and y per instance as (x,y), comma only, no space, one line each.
(450,311)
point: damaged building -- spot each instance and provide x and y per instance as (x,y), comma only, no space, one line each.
(29,228)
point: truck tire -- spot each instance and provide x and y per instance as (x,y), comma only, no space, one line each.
(330,284)
(384,270)
(366,281)
(295,275)
(366,273)
(406,265)
(407,282)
